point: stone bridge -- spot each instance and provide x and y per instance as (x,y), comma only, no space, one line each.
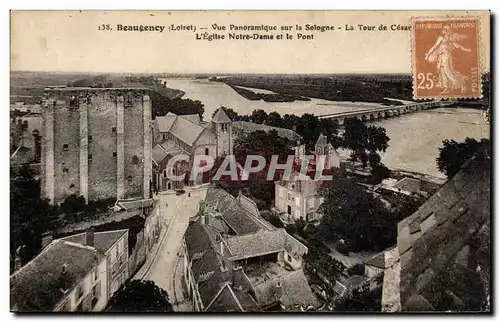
(375,113)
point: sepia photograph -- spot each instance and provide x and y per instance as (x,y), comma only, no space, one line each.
(250,161)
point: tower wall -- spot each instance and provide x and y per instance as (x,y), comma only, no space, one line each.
(98,147)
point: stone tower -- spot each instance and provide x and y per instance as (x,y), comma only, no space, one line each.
(97,143)
(222,128)
(322,147)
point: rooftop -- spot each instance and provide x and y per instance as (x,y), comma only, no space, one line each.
(430,240)
(187,128)
(44,282)
(257,244)
(290,288)
(221,116)
(240,220)
(102,240)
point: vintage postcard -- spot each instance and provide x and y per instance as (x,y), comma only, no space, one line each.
(250,161)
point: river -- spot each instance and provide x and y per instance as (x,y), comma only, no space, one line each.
(415,138)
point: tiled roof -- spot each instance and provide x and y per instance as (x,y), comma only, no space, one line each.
(384,259)
(448,221)
(193,118)
(205,262)
(226,301)
(221,117)
(165,122)
(186,131)
(408,184)
(43,282)
(288,287)
(257,244)
(187,128)
(134,204)
(241,221)
(158,154)
(102,240)
(246,301)
(248,127)
(22,155)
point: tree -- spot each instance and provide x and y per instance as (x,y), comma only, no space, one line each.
(140,296)
(365,142)
(30,215)
(355,215)
(452,155)
(258,116)
(263,144)
(161,105)
(73,204)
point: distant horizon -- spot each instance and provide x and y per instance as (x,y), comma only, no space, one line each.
(203,73)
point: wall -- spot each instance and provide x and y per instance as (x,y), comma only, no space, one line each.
(97,112)
(66,163)
(138,255)
(134,141)
(296,202)
(206,140)
(102,169)
(71,302)
(118,267)
(372,271)
(224,139)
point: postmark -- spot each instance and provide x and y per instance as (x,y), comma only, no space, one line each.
(446,58)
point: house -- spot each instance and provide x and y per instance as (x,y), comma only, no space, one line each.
(75,273)
(236,261)
(297,197)
(408,186)
(443,254)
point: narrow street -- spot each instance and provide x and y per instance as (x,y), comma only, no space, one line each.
(163,261)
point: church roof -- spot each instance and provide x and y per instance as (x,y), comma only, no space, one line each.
(221,116)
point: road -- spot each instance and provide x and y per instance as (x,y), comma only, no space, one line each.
(176,211)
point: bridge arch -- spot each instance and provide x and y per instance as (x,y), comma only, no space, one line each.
(363,118)
(372,117)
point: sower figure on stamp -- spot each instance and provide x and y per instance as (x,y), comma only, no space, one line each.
(441,54)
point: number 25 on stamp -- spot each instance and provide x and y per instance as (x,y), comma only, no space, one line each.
(446,58)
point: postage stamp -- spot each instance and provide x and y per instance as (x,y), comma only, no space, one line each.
(446,58)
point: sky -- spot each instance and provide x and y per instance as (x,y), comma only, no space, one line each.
(71,41)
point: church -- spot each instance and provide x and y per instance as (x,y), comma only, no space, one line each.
(189,135)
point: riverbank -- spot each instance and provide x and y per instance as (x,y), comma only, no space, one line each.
(374,89)
(271,97)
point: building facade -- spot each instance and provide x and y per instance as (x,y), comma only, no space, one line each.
(297,199)
(96,143)
(80,272)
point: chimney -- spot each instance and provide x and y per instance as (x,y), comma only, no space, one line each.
(89,237)
(202,206)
